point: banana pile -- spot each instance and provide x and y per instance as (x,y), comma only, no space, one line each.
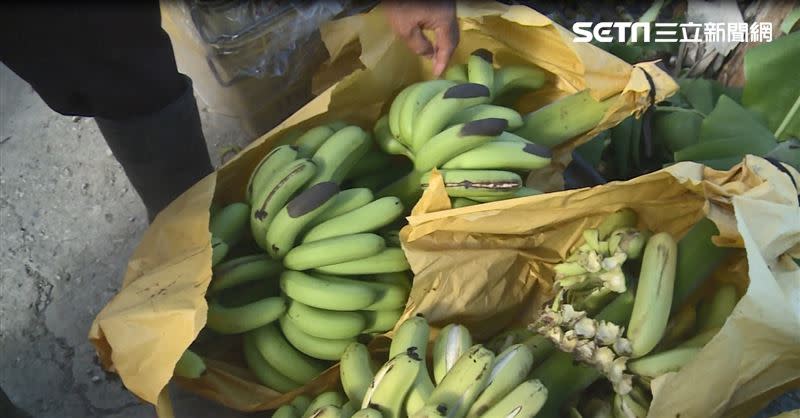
(467,380)
(465,126)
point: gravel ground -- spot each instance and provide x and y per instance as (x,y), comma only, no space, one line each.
(69,220)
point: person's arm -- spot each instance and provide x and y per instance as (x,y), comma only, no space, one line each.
(409,18)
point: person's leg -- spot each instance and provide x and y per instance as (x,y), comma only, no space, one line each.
(115,63)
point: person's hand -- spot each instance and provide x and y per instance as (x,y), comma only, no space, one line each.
(409,18)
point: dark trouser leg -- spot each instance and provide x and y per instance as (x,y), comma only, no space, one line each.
(112,61)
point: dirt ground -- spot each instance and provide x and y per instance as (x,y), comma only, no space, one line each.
(69,220)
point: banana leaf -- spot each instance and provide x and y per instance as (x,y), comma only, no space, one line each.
(729,120)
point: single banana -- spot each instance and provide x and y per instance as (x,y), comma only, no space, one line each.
(316,291)
(387,394)
(284,358)
(267,168)
(418,97)
(286,411)
(655,365)
(368,413)
(308,143)
(324,323)
(442,107)
(323,400)
(653,294)
(302,209)
(524,401)
(381,321)
(395,109)
(420,392)
(301,403)
(484,111)
(413,335)
(190,365)
(392,294)
(501,156)
(243,270)
(390,260)
(508,371)
(623,218)
(356,372)
(346,201)
(244,318)
(478,183)
(456,140)
(286,183)
(563,119)
(457,72)
(348,409)
(265,373)
(452,342)
(337,156)
(464,382)
(387,141)
(219,250)
(462,202)
(722,304)
(625,407)
(332,251)
(230,223)
(368,218)
(320,348)
(480,70)
(511,77)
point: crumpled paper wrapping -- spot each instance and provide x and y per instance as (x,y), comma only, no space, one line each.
(490,266)
(141,333)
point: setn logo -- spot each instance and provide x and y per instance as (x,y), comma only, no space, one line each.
(604,31)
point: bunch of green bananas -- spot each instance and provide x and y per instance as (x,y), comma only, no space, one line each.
(468,380)
(464,126)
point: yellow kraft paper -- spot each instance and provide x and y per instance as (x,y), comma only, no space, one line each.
(142,331)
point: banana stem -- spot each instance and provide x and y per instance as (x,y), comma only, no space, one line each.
(789,117)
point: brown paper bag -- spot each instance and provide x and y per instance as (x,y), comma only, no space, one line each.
(490,266)
(160,310)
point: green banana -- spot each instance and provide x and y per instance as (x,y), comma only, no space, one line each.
(293,218)
(508,371)
(387,141)
(456,140)
(501,156)
(219,249)
(286,411)
(701,339)
(524,400)
(368,218)
(230,223)
(324,323)
(394,112)
(412,335)
(329,411)
(332,251)
(464,382)
(265,373)
(511,77)
(677,130)
(284,358)
(418,97)
(267,168)
(452,342)
(391,384)
(337,156)
(243,270)
(625,407)
(698,257)
(462,202)
(320,348)
(655,365)
(457,72)
(308,143)
(390,260)
(283,186)
(316,291)
(442,107)
(563,119)
(623,218)
(324,399)
(484,111)
(381,321)
(245,318)
(477,183)
(248,293)
(653,294)
(348,409)
(368,413)
(420,392)
(190,365)
(346,201)
(722,304)
(480,70)
(301,403)
(356,372)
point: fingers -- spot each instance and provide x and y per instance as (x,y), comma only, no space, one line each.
(418,43)
(447,37)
